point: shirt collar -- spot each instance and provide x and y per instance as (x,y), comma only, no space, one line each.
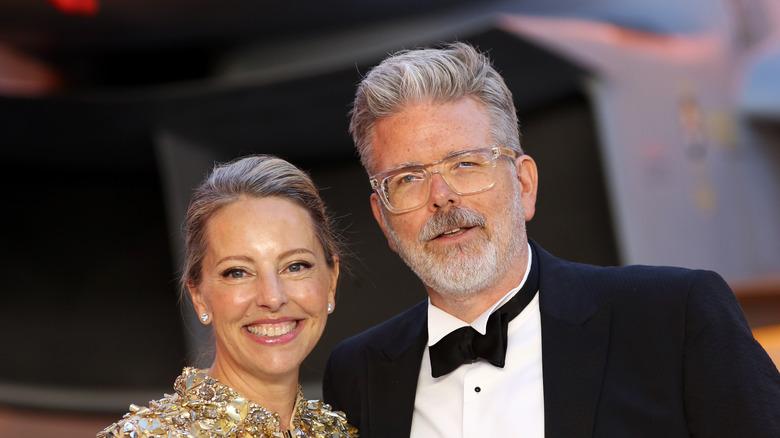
(441,323)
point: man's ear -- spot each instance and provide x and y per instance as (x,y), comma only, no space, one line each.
(376,208)
(528,177)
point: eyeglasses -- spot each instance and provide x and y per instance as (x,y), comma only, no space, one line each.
(466,172)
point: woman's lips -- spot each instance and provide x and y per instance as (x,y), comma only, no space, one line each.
(272,330)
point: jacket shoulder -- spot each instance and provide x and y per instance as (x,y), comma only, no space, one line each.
(405,325)
(616,281)
(566,288)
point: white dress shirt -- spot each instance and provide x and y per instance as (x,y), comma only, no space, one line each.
(479,400)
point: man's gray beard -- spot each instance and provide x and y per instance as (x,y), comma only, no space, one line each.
(466,269)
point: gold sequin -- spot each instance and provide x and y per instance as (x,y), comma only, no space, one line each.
(204,408)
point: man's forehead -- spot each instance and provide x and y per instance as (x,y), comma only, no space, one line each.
(406,157)
(455,151)
(426,132)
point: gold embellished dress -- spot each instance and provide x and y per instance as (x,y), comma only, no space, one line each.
(204,408)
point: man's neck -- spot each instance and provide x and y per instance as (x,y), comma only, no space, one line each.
(468,307)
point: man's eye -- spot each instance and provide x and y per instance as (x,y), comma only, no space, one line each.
(410,178)
(470,162)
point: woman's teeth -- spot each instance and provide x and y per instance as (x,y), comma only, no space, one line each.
(272,330)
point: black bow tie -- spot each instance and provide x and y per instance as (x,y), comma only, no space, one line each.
(466,345)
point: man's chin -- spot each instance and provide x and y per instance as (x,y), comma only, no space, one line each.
(459,286)
(451,259)
(459,275)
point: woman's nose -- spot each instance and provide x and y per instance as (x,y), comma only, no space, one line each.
(270,293)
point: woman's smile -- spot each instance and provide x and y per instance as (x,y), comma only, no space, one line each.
(275,332)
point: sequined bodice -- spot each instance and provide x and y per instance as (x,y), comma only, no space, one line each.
(204,408)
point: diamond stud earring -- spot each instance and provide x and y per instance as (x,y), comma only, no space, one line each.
(204,316)
(330,307)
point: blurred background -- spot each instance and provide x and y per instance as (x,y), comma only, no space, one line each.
(655,125)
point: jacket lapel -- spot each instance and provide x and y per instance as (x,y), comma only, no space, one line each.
(575,335)
(393,370)
(575,338)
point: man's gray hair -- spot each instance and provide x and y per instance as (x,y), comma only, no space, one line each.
(444,75)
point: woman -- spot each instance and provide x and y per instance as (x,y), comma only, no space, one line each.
(261,267)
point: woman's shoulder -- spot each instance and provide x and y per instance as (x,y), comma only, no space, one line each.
(169,415)
(316,418)
(156,419)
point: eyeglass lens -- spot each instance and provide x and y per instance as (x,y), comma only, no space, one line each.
(467,173)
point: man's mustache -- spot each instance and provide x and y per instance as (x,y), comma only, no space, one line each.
(454,217)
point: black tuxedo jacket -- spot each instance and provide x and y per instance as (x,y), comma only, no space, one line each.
(633,351)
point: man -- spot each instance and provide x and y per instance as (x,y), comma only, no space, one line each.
(587,351)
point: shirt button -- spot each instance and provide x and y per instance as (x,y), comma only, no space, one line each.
(477,389)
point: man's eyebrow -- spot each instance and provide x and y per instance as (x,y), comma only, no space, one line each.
(410,163)
(403,166)
(449,154)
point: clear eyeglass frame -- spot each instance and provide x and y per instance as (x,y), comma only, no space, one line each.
(379,181)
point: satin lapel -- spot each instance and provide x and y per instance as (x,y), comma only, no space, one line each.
(392,378)
(575,340)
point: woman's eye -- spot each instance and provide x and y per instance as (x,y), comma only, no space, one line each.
(234,273)
(298,267)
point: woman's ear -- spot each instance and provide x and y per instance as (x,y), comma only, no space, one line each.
(334,281)
(197,299)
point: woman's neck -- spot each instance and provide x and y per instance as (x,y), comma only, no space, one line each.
(275,393)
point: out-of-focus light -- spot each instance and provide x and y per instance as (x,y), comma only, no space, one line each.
(76,7)
(23,76)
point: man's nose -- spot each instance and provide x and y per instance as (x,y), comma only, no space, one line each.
(442,194)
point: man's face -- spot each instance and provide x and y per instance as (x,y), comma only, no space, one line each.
(457,244)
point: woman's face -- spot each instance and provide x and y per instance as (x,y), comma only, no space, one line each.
(266,286)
